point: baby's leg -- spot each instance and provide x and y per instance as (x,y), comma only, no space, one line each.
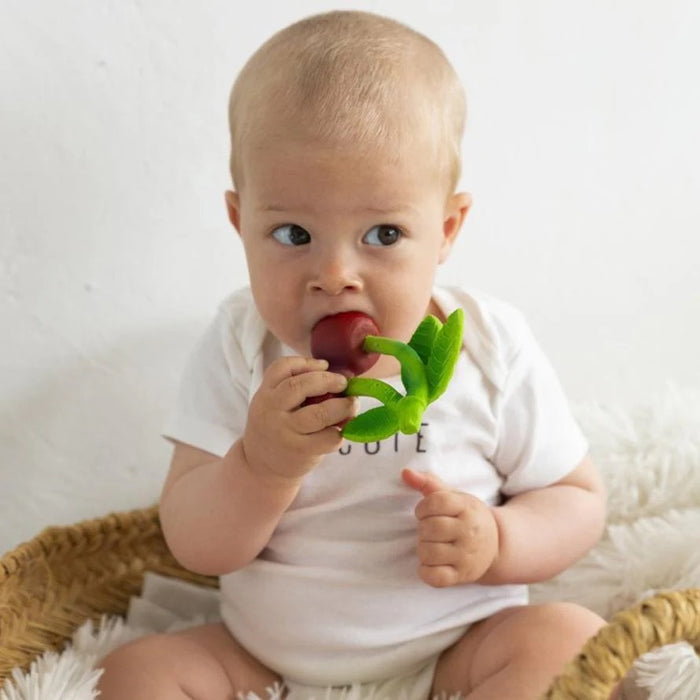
(517,653)
(204,663)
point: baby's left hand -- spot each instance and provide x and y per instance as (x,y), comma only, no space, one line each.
(457,533)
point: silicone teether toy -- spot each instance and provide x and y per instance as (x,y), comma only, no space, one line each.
(338,339)
(427,364)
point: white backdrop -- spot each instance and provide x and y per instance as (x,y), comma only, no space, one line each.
(581,152)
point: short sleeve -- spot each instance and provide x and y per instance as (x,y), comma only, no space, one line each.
(538,439)
(212,402)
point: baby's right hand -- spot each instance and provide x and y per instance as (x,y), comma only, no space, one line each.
(285,439)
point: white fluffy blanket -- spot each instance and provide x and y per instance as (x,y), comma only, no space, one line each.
(650,460)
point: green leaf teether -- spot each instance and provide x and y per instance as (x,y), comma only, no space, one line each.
(427,364)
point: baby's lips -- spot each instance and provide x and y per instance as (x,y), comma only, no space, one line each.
(338,339)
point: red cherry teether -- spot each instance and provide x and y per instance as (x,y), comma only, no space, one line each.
(338,339)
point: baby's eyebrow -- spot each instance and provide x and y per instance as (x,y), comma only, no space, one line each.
(397,209)
(388,210)
(376,210)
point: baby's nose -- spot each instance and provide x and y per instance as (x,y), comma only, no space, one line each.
(336,275)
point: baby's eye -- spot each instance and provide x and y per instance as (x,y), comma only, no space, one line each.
(384,234)
(291,234)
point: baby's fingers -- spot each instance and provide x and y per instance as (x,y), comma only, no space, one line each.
(315,417)
(443,564)
(294,391)
(437,554)
(439,528)
(287,367)
(439,576)
(294,380)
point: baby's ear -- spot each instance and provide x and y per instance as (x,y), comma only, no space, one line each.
(456,210)
(233,207)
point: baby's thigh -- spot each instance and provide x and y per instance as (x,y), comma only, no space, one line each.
(542,637)
(200,662)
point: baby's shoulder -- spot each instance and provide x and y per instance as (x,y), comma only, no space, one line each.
(237,305)
(240,324)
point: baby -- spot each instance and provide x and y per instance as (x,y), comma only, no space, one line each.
(402,565)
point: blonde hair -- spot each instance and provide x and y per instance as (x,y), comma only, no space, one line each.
(351,78)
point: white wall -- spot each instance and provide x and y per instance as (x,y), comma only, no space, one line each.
(581,153)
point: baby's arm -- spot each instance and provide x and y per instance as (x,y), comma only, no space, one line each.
(532,537)
(544,531)
(219,513)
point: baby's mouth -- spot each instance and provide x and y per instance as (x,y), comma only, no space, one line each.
(338,339)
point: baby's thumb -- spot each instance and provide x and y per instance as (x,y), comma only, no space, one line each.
(425,482)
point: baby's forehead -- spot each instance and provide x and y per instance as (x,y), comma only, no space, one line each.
(399,145)
(309,177)
(293,148)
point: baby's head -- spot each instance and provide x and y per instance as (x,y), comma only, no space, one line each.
(350,79)
(346,131)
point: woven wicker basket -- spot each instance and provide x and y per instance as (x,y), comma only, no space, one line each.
(52,584)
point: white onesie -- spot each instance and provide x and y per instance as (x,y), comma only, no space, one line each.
(335,597)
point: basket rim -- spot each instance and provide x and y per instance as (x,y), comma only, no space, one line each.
(47,540)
